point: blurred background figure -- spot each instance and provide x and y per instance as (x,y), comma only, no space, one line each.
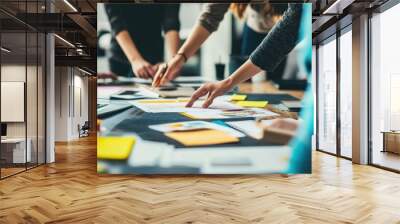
(254,23)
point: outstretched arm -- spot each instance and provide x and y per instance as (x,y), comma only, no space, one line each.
(212,90)
(278,43)
(208,22)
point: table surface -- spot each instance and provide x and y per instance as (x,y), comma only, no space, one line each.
(267,87)
(271,154)
(13,140)
(391,132)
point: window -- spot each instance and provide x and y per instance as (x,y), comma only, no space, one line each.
(327,96)
(385,89)
(346,92)
(22,77)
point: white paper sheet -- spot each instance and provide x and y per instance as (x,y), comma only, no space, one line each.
(292,103)
(193,85)
(191,79)
(149,153)
(249,127)
(249,112)
(231,160)
(179,106)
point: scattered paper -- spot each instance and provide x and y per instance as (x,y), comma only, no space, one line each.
(249,127)
(179,106)
(233,160)
(104,92)
(190,79)
(193,85)
(226,114)
(180,126)
(195,125)
(149,153)
(171,91)
(292,104)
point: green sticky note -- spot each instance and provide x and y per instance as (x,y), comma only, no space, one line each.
(236,97)
(260,104)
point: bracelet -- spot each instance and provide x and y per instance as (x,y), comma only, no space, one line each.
(184,56)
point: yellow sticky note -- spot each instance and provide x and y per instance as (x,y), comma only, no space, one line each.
(116,148)
(188,115)
(202,137)
(260,104)
(237,97)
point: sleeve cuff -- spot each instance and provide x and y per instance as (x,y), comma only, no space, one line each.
(171,25)
(210,28)
(260,61)
(117,26)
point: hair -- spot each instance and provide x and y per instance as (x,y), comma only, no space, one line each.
(238,9)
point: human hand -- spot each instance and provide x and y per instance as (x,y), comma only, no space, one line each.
(212,89)
(157,66)
(142,68)
(168,71)
(285,124)
(107,75)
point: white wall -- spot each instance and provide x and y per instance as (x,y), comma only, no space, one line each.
(14,73)
(71,93)
(188,14)
(33,126)
(61,103)
(217,47)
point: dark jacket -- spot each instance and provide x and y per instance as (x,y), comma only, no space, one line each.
(280,40)
(145,24)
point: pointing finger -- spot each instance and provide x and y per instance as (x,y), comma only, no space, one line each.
(209,100)
(196,95)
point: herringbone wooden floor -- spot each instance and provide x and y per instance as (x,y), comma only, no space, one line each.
(70,191)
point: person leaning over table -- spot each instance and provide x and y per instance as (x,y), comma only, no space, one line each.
(137,43)
(294,27)
(275,46)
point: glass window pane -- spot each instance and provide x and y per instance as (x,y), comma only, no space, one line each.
(14,153)
(41,99)
(31,97)
(385,89)
(346,94)
(327,96)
